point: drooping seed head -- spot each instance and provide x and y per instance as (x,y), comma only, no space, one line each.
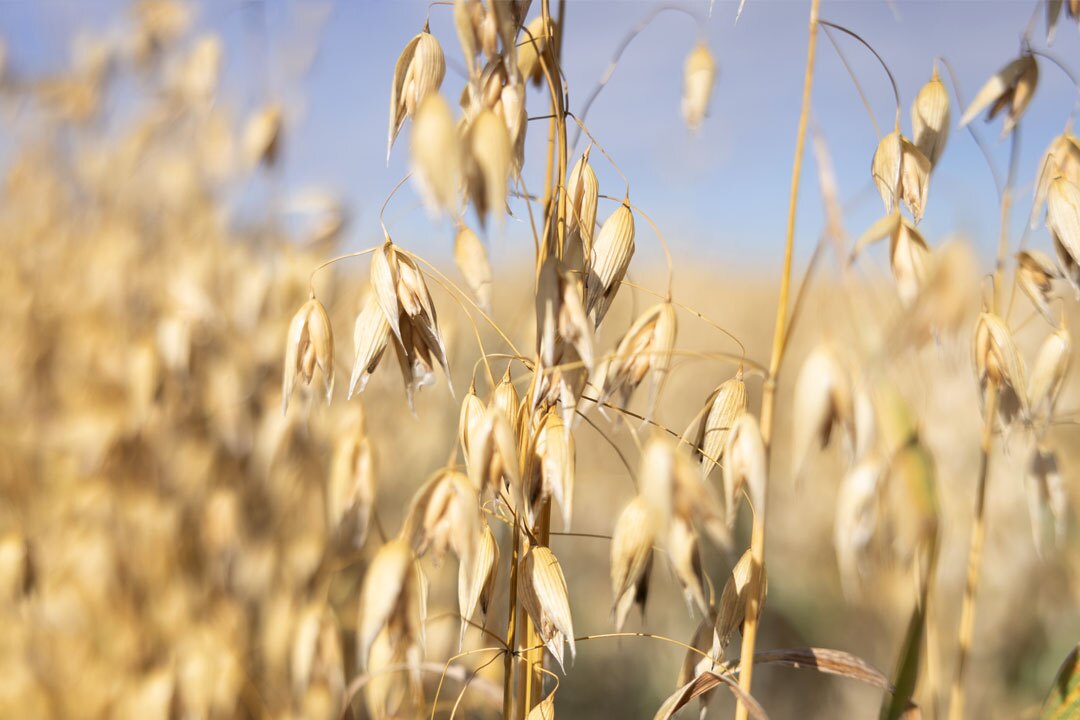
(1011,88)
(930,118)
(435,153)
(699,75)
(612,251)
(419,72)
(310,344)
(472,260)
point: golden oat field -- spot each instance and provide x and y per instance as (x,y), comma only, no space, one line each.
(301,459)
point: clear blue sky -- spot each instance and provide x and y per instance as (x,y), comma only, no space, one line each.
(723,191)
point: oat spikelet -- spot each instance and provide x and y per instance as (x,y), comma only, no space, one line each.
(310,343)
(857,518)
(744,466)
(611,255)
(476,580)
(533,41)
(435,152)
(472,260)
(555,450)
(644,350)
(901,173)
(545,597)
(1070,268)
(487,164)
(471,420)
(930,118)
(444,515)
(1011,88)
(506,400)
(383,592)
(823,400)
(1048,373)
(350,495)
(726,404)
(1063,214)
(998,361)
(262,135)
(631,557)
(1035,272)
(737,591)
(582,191)
(1061,159)
(699,74)
(682,547)
(371,332)
(419,72)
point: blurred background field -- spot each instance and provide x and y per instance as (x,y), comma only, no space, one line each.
(164,543)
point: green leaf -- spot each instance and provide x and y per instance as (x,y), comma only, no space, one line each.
(907,669)
(1063,700)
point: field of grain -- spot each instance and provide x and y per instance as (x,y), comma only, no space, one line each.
(269,464)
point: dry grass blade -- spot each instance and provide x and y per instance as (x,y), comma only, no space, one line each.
(702,684)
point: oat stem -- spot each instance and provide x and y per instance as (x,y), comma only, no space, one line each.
(757,538)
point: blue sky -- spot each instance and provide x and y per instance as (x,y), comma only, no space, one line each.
(722,192)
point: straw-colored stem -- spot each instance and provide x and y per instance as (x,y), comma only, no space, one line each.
(757,538)
(978,536)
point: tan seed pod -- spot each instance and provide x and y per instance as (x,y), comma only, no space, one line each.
(582,194)
(310,343)
(744,466)
(943,303)
(998,361)
(419,72)
(1063,214)
(470,420)
(493,460)
(545,709)
(901,173)
(1011,88)
(435,149)
(1046,492)
(561,319)
(444,515)
(533,41)
(1070,268)
(823,400)
(555,450)
(726,404)
(930,118)
(1035,272)
(262,135)
(631,555)
(699,74)
(1061,159)
(737,591)
(909,255)
(468,16)
(672,485)
(371,332)
(476,580)
(857,520)
(487,164)
(545,597)
(350,496)
(644,350)
(472,260)
(506,400)
(682,547)
(612,251)
(384,585)
(1048,373)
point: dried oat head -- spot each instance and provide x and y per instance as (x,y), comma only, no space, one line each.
(823,400)
(902,173)
(435,153)
(582,193)
(1061,159)
(645,350)
(262,135)
(472,260)
(371,332)
(547,601)
(745,466)
(699,75)
(1063,214)
(1011,88)
(725,405)
(998,361)
(930,118)
(419,72)
(488,163)
(611,254)
(476,579)
(738,589)
(683,551)
(533,42)
(506,400)
(858,511)
(631,557)
(1048,373)
(556,466)
(444,515)
(1035,272)
(310,343)
(388,598)
(470,420)
(351,491)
